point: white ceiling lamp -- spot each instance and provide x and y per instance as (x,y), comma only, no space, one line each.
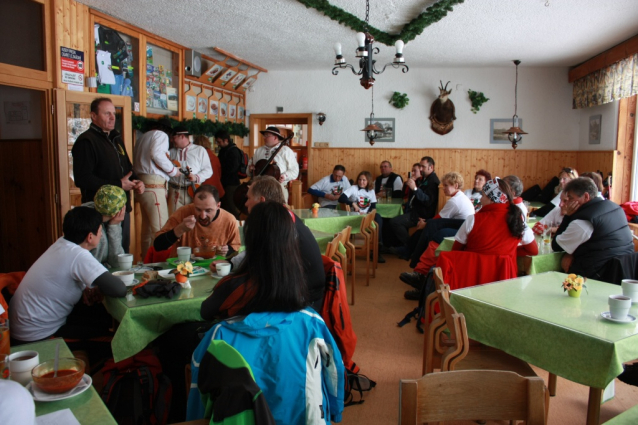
(365,52)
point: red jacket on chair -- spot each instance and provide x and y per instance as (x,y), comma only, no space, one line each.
(463,268)
(336,313)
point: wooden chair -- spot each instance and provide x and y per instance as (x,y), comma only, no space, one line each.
(333,248)
(363,242)
(308,200)
(435,341)
(634,230)
(348,260)
(471,395)
(374,229)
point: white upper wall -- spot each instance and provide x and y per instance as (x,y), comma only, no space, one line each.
(544,104)
(608,125)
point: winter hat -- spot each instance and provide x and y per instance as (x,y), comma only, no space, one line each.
(109,200)
(493,191)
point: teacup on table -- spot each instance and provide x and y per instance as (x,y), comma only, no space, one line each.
(21,364)
(125,261)
(630,289)
(125,276)
(619,306)
(222,269)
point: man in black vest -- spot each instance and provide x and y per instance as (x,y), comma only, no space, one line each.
(388,181)
(593,231)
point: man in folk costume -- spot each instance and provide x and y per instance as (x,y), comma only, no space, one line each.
(285,159)
(191,157)
(154,168)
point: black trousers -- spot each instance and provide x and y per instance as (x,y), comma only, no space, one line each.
(435,230)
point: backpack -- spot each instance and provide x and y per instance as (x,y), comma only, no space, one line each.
(244,164)
(136,391)
(359,383)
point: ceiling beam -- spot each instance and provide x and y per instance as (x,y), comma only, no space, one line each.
(606,58)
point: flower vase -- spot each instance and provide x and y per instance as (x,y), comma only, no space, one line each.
(574,293)
(180,278)
(315,212)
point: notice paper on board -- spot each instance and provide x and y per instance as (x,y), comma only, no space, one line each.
(104,67)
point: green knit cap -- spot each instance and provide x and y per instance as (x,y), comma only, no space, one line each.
(109,200)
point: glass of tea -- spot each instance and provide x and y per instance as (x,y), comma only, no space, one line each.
(4,337)
(4,366)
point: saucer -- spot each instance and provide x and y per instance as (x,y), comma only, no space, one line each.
(607,315)
(83,385)
(135,282)
(215,275)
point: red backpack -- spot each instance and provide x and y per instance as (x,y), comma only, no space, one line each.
(136,391)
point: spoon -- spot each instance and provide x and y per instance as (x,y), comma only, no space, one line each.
(56,361)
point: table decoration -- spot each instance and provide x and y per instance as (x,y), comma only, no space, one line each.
(574,285)
(315,209)
(183,270)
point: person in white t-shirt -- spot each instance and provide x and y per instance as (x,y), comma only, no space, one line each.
(16,404)
(361,198)
(330,188)
(67,272)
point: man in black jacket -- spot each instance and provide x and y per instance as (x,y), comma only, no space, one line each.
(230,156)
(421,203)
(592,232)
(388,181)
(100,158)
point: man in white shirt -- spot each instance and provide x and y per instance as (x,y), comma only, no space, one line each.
(592,232)
(285,159)
(153,166)
(192,158)
(55,283)
(329,188)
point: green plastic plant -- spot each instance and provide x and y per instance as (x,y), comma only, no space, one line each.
(399,100)
(478,99)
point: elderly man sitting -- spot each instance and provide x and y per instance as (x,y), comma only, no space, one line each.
(593,230)
(201,224)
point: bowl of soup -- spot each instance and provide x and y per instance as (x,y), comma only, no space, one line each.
(206,252)
(70,372)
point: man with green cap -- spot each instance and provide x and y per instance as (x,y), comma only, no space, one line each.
(110,201)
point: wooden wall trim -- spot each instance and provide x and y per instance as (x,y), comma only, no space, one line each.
(532,166)
(606,58)
(621,185)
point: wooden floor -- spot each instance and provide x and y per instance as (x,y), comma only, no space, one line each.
(387,353)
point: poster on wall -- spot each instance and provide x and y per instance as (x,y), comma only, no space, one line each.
(17,113)
(72,66)
(594,129)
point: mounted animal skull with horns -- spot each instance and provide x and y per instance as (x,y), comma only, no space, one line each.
(442,112)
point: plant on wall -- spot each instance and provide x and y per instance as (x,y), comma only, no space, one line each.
(399,100)
(432,14)
(478,99)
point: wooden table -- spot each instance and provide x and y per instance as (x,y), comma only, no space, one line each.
(531,318)
(88,407)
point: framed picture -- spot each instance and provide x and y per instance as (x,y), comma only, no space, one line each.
(387,124)
(498,126)
(594,129)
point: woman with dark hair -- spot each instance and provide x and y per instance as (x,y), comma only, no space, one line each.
(266,335)
(477,191)
(271,277)
(566,175)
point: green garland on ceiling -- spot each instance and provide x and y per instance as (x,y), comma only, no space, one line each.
(195,126)
(410,31)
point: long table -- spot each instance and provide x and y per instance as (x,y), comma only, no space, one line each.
(144,319)
(88,407)
(390,208)
(330,221)
(531,318)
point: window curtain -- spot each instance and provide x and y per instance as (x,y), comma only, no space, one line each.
(614,82)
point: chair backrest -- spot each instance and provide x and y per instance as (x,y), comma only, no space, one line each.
(308,200)
(455,323)
(333,246)
(472,395)
(364,228)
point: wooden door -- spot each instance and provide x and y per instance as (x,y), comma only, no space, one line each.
(73,117)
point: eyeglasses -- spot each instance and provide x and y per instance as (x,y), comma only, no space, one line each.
(568,170)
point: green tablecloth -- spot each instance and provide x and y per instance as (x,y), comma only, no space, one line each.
(330,221)
(389,208)
(530,264)
(142,320)
(628,417)
(87,407)
(533,319)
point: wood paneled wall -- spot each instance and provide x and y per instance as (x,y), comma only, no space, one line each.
(72,29)
(533,167)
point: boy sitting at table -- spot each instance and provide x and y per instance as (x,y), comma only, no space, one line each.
(110,201)
(200,224)
(46,302)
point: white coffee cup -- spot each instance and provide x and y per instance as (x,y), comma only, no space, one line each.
(21,364)
(126,277)
(222,269)
(184,253)
(619,306)
(630,289)
(125,261)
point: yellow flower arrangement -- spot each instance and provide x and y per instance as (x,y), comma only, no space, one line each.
(184,268)
(315,206)
(574,283)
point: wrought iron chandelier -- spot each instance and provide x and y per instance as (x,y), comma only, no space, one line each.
(372,130)
(365,53)
(515,133)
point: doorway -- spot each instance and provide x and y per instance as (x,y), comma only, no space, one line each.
(27,225)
